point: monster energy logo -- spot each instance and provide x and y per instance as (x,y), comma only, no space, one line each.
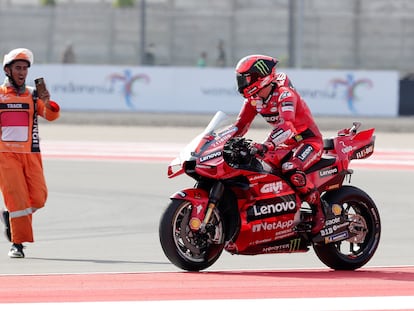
(294,245)
(262,67)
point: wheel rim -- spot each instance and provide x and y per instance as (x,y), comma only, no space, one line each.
(196,246)
(360,221)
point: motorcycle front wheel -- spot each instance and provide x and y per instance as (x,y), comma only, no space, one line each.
(187,249)
(364,219)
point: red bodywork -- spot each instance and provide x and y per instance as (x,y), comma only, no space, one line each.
(268,204)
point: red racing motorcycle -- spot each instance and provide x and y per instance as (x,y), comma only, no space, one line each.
(241,204)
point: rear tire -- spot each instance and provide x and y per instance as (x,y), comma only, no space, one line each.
(355,252)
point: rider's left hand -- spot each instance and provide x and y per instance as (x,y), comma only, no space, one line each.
(259,149)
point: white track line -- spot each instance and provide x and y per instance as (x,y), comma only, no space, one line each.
(285,304)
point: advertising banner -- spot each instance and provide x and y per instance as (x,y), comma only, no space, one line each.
(206,90)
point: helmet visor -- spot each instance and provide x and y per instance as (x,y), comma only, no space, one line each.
(242,82)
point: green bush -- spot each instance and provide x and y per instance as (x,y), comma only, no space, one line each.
(48,2)
(123,3)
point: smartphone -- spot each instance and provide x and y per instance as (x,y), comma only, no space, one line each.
(40,85)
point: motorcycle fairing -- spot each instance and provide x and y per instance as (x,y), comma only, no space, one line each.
(329,177)
(199,200)
(266,185)
(330,171)
(347,147)
(364,152)
(291,244)
(211,137)
(265,222)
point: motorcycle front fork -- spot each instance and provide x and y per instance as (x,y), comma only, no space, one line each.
(215,195)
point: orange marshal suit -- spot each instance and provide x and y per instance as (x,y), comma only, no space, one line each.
(22,181)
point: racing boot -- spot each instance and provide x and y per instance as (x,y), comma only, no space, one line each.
(310,220)
(302,222)
(6,220)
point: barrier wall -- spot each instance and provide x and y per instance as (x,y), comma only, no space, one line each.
(205,90)
(336,34)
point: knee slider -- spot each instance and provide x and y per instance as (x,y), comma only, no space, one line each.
(298,179)
(295,176)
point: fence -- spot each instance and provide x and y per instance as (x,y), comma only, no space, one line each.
(327,34)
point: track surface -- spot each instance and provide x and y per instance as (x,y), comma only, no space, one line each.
(97,237)
(316,283)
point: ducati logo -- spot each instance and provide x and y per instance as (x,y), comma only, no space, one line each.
(345,148)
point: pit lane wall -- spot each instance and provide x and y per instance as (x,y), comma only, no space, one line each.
(206,90)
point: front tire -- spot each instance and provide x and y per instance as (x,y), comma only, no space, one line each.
(363,214)
(185,248)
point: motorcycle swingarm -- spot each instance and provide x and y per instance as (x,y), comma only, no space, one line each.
(334,232)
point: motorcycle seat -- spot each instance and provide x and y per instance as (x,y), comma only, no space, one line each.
(328,144)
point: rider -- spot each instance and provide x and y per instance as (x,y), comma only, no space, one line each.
(273,96)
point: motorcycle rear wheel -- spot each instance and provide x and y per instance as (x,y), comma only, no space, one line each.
(355,252)
(185,248)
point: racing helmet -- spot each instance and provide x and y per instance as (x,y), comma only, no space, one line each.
(18,54)
(254,72)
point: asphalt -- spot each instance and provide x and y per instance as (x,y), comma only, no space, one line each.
(102,214)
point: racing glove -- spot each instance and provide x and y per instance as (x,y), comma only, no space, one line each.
(261,149)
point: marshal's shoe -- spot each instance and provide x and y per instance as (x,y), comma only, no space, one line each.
(16,251)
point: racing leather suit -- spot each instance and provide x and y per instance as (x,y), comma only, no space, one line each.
(293,128)
(22,181)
